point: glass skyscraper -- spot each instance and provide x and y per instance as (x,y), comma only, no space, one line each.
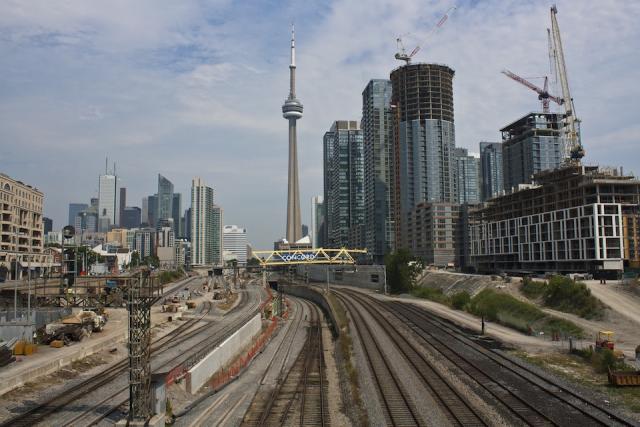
(108,212)
(344,184)
(377,127)
(530,145)
(468,173)
(491,169)
(165,198)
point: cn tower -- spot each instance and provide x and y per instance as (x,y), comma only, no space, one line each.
(292,111)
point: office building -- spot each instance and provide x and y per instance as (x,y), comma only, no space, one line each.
(431,232)
(530,145)
(123,203)
(131,217)
(187,224)
(377,133)
(203,227)
(218,241)
(145,242)
(235,241)
(176,212)
(317,222)
(165,237)
(74,209)
(152,210)
(182,253)
(344,178)
(571,219)
(21,226)
(467,176)
(424,137)
(491,168)
(47,223)
(165,198)
(108,212)
(144,213)
(86,221)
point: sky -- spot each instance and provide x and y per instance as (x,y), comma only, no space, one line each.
(195,88)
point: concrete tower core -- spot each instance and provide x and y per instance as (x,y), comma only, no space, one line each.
(292,111)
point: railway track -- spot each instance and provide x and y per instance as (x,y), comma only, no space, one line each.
(300,397)
(530,398)
(397,405)
(455,407)
(178,336)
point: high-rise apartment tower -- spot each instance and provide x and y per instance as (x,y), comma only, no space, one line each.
(377,127)
(424,137)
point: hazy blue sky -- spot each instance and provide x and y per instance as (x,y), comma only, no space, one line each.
(188,88)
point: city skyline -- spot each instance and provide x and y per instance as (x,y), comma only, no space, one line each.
(193,73)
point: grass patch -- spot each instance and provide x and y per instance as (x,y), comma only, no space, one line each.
(532,289)
(458,301)
(431,294)
(345,344)
(170,276)
(511,312)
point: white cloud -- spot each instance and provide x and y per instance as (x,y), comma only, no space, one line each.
(195,88)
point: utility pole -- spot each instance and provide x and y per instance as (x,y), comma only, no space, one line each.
(384,270)
(327,278)
(29,290)
(141,293)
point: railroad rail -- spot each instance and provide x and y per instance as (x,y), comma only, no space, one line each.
(178,336)
(529,397)
(456,408)
(397,405)
(302,391)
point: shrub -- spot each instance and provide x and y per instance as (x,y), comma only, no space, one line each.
(569,296)
(431,294)
(532,289)
(510,311)
(460,300)
(169,276)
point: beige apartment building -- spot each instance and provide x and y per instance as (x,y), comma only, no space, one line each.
(21,229)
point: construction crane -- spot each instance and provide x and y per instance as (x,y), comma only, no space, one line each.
(543,93)
(573,146)
(402,55)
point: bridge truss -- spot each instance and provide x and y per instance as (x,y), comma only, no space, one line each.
(307,256)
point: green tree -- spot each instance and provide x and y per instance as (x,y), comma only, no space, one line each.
(152,261)
(135,259)
(402,269)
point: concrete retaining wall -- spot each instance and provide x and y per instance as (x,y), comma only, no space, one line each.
(198,375)
(451,283)
(361,276)
(306,292)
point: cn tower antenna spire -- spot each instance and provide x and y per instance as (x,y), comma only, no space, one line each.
(292,66)
(292,111)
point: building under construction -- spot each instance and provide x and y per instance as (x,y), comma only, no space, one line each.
(530,145)
(572,219)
